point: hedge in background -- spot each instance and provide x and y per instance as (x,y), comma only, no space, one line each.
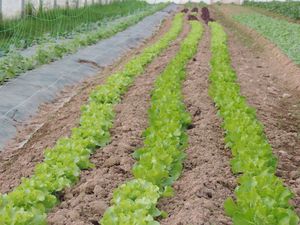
(14,63)
(284,34)
(290,9)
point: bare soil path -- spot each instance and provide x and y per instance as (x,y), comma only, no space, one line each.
(87,201)
(207,180)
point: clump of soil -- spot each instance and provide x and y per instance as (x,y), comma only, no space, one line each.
(206,16)
(192,17)
(195,10)
(186,10)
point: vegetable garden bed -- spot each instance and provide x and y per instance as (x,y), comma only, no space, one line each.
(183,167)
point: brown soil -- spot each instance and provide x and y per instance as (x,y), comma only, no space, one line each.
(54,121)
(262,78)
(87,201)
(207,179)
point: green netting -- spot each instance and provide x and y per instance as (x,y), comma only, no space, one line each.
(38,25)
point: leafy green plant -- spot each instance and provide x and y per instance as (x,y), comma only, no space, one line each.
(135,204)
(35,196)
(287,8)
(261,198)
(10,65)
(159,162)
(284,34)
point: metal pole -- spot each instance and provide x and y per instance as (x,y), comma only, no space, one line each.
(1,16)
(22,8)
(41,5)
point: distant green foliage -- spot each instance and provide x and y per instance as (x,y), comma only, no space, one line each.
(59,22)
(284,34)
(289,8)
(195,4)
(260,197)
(14,63)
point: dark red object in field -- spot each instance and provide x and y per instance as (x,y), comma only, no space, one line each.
(192,17)
(195,10)
(185,10)
(205,15)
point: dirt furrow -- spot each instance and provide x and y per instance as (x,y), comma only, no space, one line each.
(87,201)
(54,120)
(207,179)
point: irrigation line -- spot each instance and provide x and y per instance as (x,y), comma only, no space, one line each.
(0,9)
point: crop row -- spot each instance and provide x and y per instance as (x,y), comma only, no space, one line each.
(35,196)
(261,197)
(287,8)
(282,33)
(15,63)
(159,162)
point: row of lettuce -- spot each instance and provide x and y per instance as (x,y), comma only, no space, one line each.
(261,197)
(15,63)
(159,162)
(35,196)
(284,34)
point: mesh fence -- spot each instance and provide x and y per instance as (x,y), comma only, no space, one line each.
(38,23)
